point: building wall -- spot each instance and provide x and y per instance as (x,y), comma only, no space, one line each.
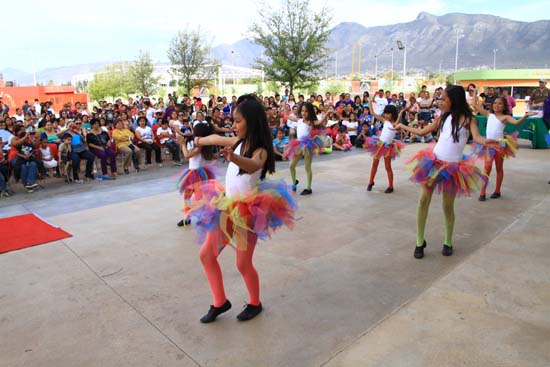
(16,96)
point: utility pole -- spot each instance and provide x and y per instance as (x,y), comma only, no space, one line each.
(392,64)
(359,57)
(459,35)
(336,66)
(352,59)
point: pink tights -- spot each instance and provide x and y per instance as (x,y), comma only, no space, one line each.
(209,258)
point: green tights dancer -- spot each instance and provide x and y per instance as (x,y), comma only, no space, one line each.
(422,216)
(307,163)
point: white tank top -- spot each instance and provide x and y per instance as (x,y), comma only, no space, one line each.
(302,129)
(446,149)
(195,161)
(387,134)
(235,184)
(495,128)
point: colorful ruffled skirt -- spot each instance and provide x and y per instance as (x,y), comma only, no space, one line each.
(267,208)
(508,148)
(189,178)
(378,149)
(460,178)
(312,143)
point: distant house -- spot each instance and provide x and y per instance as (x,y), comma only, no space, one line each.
(519,82)
(16,96)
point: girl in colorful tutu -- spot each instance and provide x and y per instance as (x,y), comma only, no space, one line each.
(385,146)
(508,144)
(201,162)
(309,132)
(444,166)
(248,208)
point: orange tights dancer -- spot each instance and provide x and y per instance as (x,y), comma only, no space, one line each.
(389,171)
(209,258)
(499,163)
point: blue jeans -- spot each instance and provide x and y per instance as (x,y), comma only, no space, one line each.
(29,170)
(88,156)
(426,116)
(2,183)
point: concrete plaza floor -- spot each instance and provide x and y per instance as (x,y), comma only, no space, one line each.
(342,289)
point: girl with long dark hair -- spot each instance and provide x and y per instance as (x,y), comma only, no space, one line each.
(444,166)
(248,208)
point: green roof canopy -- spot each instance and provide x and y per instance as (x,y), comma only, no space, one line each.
(504,74)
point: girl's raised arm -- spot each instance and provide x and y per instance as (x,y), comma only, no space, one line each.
(216,140)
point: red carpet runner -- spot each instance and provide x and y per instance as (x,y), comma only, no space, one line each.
(27,230)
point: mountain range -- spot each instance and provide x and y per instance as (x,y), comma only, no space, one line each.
(430,42)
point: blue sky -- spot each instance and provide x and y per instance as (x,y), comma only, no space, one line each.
(41,34)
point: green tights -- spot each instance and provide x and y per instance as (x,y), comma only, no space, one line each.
(422,214)
(307,163)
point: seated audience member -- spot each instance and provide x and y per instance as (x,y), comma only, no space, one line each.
(46,155)
(4,174)
(100,145)
(64,157)
(279,144)
(166,138)
(79,151)
(124,140)
(352,126)
(145,138)
(342,141)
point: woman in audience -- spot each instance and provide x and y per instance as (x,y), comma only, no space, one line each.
(100,144)
(124,140)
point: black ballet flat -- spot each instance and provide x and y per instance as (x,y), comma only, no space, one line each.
(369,187)
(482,198)
(215,312)
(249,312)
(447,250)
(419,251)
(495,195)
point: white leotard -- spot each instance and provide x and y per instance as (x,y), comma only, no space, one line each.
(388,133)
(302,129)
(195,161)
(446,149)
(235,184)
(495,128)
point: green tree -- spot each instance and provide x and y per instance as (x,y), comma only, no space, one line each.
(294,39)
(141,74)
(188,54)
(113,81)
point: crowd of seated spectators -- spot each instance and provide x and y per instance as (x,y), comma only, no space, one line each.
(39,142)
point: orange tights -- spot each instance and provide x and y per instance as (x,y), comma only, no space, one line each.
(209,259)
(499,165)
(389,171)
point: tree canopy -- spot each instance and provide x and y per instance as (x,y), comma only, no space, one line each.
(141,74)
(113,81)
(188,54)
(294,39)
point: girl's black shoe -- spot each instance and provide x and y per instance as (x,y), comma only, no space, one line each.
(495,195)
(215,312)
(369,187)
(188,222)
(306,192)
(419,251)
(447,250)
(482,198)
(181,223)
(249,312)
(389,190)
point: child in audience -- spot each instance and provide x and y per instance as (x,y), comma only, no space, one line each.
(342,141)
(64,153)
(279,144)
(46,155)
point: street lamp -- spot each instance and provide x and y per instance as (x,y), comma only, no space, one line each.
(401,46)
(392,64)
(495,58)
(459,35)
